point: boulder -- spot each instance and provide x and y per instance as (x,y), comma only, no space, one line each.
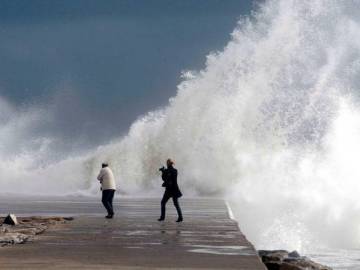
(289,266)
(294,254)
(273,265)
(27,228)
(11,220)
(284,260)
(13,238)
(273,255)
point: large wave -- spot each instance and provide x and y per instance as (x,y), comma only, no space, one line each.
(271,123)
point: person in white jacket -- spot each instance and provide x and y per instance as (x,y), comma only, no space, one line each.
(108,187)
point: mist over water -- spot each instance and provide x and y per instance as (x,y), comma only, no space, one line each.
(271,124)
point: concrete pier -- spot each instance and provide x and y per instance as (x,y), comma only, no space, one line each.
(207,239)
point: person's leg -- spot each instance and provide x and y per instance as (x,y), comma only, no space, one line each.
(163,205)
(105,201)
(111,197)
(178,209)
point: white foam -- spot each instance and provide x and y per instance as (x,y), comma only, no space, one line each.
(272,123)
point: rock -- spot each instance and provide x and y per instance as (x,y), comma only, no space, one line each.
(33,230)
(13,238)
(283,260)
(289,266)
(27,228)
(293,260)
(273,265)
(273,255)
(11,220)
(267,252)
(294,254)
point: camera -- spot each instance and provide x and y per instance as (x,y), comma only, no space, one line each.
(162,169)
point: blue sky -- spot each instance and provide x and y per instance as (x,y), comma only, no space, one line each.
(105,62)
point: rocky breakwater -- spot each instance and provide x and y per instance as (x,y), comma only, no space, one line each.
(26,229)
(284,260)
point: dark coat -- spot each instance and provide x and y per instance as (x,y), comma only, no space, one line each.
(169,176)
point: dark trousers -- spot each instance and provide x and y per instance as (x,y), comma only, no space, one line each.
(164,200)
(107,200)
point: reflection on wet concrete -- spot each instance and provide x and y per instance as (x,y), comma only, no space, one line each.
(223,250)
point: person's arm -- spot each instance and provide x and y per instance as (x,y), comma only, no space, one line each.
(163,176)
(100,176)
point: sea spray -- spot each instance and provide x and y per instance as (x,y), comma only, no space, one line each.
(271,123)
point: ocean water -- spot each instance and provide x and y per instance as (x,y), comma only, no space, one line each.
(340,259)
(272,124)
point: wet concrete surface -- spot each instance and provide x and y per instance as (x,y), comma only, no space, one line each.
(207,239)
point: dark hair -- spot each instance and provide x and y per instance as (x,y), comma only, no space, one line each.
(104,165)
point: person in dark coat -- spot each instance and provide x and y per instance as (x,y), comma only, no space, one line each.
(169,176)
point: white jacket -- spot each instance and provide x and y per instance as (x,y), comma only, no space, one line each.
(106,178)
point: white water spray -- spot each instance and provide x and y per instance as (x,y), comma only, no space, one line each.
(271,123)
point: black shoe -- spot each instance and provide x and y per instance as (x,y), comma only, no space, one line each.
(109,216)
(179,220)
(161,219)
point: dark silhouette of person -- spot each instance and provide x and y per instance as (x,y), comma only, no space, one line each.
(169,176)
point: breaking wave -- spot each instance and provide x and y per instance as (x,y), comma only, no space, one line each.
(271,123)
